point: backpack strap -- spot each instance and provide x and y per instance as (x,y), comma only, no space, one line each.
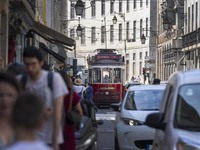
(50,80)
(23,81)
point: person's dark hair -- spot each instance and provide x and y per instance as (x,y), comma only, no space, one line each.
(32,52)
(28,111)
(16,69)
(10,79)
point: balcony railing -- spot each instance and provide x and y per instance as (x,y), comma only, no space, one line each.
(191,38)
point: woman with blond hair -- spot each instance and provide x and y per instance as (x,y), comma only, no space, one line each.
(69,129)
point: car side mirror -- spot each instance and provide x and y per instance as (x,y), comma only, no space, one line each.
(116,106)
(155,120)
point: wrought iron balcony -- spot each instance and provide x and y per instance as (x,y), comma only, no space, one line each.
(191,38)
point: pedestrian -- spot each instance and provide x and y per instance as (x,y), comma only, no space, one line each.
(51,87)
(69,129)
(28,116)
(9,91)
(79,88)
(89,94)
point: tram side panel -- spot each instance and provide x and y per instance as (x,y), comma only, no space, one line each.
(105,94)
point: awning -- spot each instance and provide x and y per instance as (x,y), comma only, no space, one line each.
(57,56)
(52,35)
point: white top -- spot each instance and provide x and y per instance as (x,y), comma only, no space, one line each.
(78,88)
(40,87)
(36,145)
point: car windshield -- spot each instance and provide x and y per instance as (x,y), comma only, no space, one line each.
(144,99)
(187,114)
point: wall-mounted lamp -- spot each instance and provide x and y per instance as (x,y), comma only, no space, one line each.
(79,6)
(166,23)
(143,39)
(79,29)
(114,20)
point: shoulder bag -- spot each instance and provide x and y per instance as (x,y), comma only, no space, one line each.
(73,116)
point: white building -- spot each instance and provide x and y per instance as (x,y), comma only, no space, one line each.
(191,39)
(134,18)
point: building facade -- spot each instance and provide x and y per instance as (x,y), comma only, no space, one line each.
(191,38)
(169,41)
(33,22)
(134,18)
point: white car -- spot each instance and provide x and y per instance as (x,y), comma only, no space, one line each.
(138,102)
(177,123)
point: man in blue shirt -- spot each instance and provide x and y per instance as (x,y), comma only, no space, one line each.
(89,94)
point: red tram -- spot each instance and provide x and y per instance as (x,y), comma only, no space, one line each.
(106,76)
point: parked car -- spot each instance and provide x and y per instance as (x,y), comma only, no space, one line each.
(132,83)
(177,123)
(138,102)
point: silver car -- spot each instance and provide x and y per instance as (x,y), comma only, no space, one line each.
(178,121)
(138,102)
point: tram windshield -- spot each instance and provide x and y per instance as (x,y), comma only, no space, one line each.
(105,75)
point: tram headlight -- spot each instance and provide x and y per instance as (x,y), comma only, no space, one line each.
(132,122)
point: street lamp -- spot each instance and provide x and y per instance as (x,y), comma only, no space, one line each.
(79,6)
(79,30)
(166,23)
(114,20)
(143,39)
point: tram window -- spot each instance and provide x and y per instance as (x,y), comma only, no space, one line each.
(90,75)
(117,75)
(97,76)
(107,75)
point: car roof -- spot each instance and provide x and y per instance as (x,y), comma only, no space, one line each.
(186,77)
(146,87)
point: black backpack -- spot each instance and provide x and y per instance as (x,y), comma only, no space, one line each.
(49,80)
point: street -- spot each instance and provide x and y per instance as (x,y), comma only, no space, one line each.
(106,131)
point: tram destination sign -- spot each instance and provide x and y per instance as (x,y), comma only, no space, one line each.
(116,57)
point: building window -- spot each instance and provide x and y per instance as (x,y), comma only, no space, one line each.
(147,26)
(140,67)
(134,30)
(93,36)
(83,36)
(147,1)
(127,5)
(141,27)
(111,33)
(83,13)
(93,8)
(127,31)
(103,7)
(127,69)
(111,6)
(72,36)
(72,11)
(192,17)
(133,68)
(146,53)
(188,19)
(140,55)
(120,32)
(133,56)
(120,6)
(134,4)
(102,34)
(196,16)
(141,1)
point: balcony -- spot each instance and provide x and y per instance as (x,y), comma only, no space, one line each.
(191,38)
